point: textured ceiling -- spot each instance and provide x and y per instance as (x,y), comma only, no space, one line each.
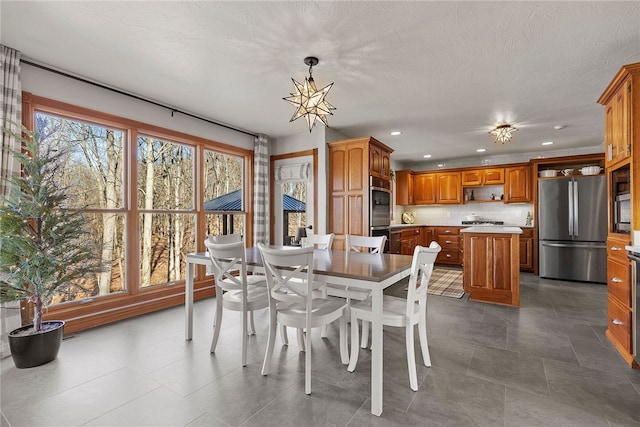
(444,73)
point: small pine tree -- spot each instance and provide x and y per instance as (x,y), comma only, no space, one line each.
(44,247)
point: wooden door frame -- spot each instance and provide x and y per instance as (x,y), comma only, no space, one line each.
(272,184)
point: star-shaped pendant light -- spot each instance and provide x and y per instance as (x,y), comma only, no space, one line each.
(503,133)
(309,101)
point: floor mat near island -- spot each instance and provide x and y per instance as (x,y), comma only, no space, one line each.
(444,282)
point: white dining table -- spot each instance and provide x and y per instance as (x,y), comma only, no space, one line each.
(373,272)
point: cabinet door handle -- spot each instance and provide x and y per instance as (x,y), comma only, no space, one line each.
(617,322)
(448,255)
(447,231)
(447,241)
(615,248)
(616,280)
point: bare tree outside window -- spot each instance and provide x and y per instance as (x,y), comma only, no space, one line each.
(93,172)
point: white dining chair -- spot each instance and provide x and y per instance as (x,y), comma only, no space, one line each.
(371,244)
(235,290)
(225,238)
(320,241)
(294,306)
(401,312)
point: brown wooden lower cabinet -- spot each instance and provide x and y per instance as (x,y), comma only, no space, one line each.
(619,325)
(620,311)
(449,239)
(526,249)
(491,267)
(394,241)
(409,239)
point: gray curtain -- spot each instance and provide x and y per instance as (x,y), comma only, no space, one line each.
(11,112)
(261,190)
(11,120)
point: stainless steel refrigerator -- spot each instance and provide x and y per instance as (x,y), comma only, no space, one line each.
(572,228)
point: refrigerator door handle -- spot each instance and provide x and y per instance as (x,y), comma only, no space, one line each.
(575,209)
(575,245)
(570,196)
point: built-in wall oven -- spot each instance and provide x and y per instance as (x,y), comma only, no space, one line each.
(380,208)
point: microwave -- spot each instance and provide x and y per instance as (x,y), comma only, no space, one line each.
(622,213)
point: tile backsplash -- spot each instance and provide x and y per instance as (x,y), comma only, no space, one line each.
(512,213)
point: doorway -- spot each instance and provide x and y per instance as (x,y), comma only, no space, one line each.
(293,188)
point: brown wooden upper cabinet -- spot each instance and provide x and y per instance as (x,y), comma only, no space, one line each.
(517,184)
(446,187)
(424,188)
(617,133)
(404,188)
(379,162)
(449,188)
(477,177)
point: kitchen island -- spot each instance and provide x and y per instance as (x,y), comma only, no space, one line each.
(491,270)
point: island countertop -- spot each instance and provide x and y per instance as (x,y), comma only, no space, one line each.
(492,229)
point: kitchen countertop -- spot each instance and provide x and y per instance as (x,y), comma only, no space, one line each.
(492,229)
(635,249)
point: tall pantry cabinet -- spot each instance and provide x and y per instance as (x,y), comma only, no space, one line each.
(621,100)
(351,163)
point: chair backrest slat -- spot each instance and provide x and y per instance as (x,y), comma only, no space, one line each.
(373,244)
(289,273)
(421,269)
(225,238)
(320,241)
(227,260)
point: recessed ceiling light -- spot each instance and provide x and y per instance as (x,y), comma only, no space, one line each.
(396,132)
(426,156)
(440,165)
(547,143)
(481,150)
(558,127)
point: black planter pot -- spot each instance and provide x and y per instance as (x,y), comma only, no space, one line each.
(36,349)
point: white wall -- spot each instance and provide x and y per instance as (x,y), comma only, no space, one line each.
(50,85)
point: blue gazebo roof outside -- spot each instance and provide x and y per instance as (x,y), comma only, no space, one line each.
(233,202)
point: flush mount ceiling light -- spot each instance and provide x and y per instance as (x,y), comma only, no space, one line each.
(309,100)
(503,133)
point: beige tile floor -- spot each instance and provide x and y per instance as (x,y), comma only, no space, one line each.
(547,363)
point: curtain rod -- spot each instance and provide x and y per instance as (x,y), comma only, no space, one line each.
(139,98)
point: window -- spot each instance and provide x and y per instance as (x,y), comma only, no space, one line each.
(223,184)
(92,173)
(151,196)
(165,199)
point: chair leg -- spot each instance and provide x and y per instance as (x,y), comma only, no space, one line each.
(252,325)
(307,365)
(301,343)
(355,349)
(245,338)
(323,328)
(270,342)
(411,358)
(344,349)
(218,320)
(365,334)
(283,335)
(424,343)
